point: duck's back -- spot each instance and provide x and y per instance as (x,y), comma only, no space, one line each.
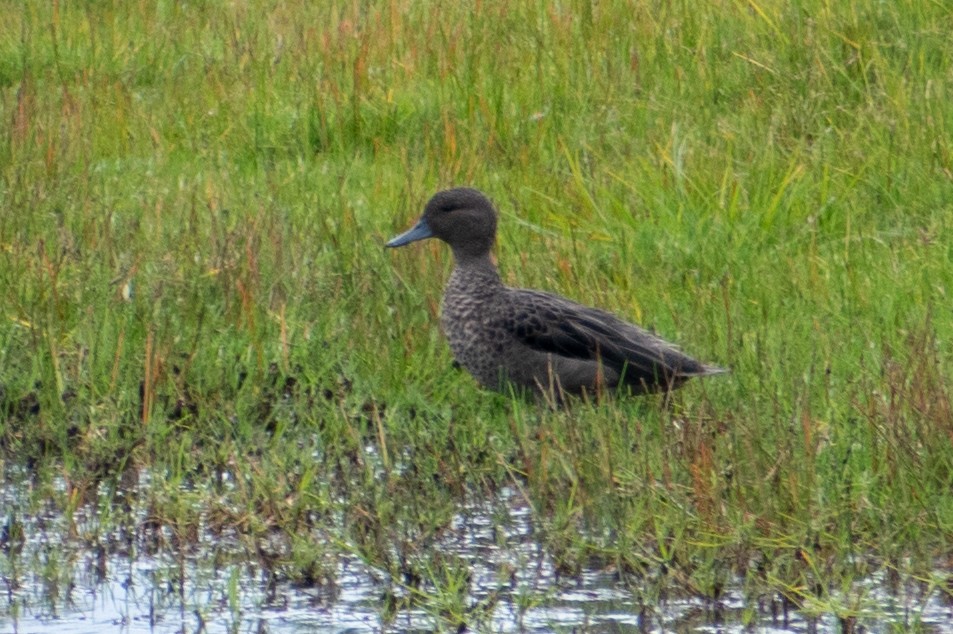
(588,348)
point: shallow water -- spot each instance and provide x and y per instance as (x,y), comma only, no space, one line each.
(55,585)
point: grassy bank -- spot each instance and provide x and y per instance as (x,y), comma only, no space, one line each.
(194,199)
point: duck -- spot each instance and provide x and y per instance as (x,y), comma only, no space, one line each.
(533,340)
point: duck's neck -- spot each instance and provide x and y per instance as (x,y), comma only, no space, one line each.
(477,272)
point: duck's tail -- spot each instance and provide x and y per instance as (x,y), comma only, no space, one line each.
(709,370)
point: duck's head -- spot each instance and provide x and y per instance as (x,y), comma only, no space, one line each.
(462,217)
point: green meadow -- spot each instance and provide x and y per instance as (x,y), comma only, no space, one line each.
(194,198)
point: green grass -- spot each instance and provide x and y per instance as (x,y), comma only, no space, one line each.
(193,202)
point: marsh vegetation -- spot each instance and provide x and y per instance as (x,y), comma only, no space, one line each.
(208,360)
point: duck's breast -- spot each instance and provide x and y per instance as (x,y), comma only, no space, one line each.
(477,344)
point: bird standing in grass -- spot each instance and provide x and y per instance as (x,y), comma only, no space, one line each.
(530,339)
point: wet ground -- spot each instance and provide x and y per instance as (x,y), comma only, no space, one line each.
(56,585)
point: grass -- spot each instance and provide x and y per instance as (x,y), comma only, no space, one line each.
(194,199)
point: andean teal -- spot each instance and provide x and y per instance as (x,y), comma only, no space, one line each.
(531,339)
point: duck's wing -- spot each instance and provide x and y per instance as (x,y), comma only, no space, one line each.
(552,324)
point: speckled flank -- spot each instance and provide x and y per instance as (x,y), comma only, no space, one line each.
(535,340)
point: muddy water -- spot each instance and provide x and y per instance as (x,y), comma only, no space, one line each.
(56,585)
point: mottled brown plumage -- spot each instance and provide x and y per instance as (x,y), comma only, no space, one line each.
(531,339)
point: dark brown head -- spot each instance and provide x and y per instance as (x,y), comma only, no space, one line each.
(462,217)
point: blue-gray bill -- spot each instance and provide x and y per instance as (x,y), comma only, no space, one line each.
(420,231)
